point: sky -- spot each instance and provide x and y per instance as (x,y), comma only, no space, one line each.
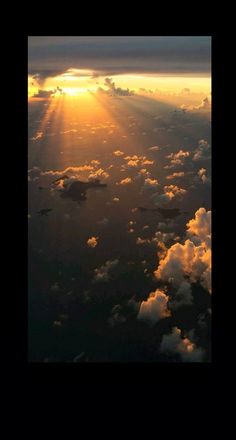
(80,63)
(119,199)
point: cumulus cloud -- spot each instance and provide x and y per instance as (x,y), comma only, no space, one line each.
(191,259)
(170,192)
(203,151)
(141,241)
(183,296)
(104,272)
(112,90)
(135,161)
(150,184)
(154,308)
(205,104)
(99,173)
(125,181)
(175,175)
(177,158)
(174,190)
(92,242)
(173,343)
(202,174)
(118,153)
(199,228)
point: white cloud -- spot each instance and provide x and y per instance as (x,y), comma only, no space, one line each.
(192,258)
(154,308)
(173,343)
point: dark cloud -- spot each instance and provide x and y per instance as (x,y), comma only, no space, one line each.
(50,56)
(112,90)
(47,93)
(44,93)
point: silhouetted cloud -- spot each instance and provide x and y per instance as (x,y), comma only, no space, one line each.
(112,90)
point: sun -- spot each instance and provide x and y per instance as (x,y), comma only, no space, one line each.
(74,91)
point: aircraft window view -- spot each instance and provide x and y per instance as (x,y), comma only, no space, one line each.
(119,199)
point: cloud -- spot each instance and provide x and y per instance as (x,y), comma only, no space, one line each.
(125,181)
(150,184)
(112,90)
(185,91)
(44,93)
(183,296)
(170,192)
(154,308)
(135,161)
(203,151)
(116,199)
(47,93)
(104,272)
(118,153)
(99,173)
(175,190)
(192,259)
(116,316)
(173,343)
(199,228)
(148,162)
(92,242)
(141,241)
(204,105)
(177,158)
(155,148)
(51,56)
(59,173)
(203,177)
(175,175)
